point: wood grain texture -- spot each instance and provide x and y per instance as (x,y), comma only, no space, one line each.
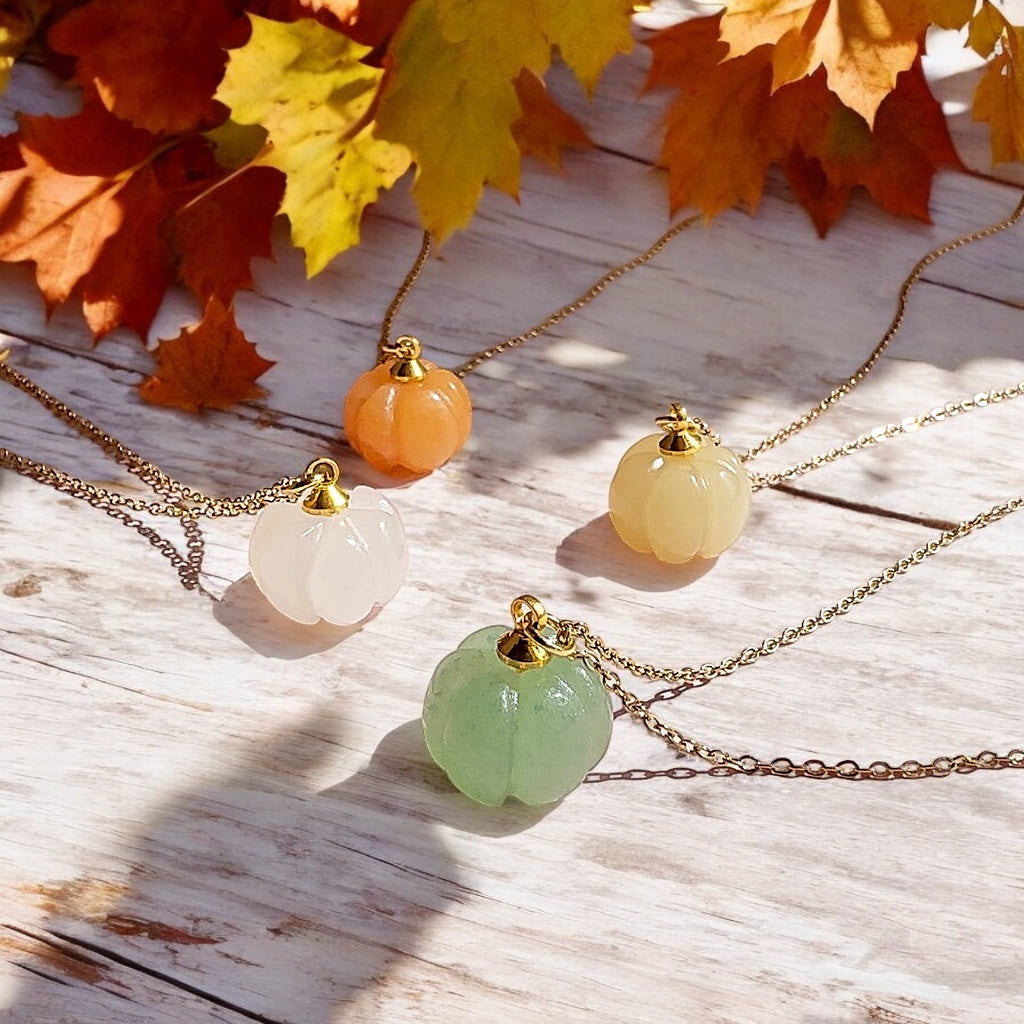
(210,814)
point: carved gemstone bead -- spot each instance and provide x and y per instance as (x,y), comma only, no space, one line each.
(407,426)
(335,567)
(679,506)
(500,732)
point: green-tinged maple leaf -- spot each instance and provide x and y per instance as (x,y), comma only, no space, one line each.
(153,64)
(862,44)
(999,98)
(544,129)
(833,150)
(451,97)
(306,86)
(210,365)
(19,20)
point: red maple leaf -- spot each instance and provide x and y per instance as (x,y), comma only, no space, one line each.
(177,57)
(210,365)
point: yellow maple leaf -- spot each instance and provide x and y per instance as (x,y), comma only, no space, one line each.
(305,85)
(999,98)
(862,44)
(452,99)
(18,23)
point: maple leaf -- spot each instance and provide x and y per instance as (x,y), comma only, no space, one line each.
(862,44)
(451,98)
(718,142)
(306,86)
(218,233)
(100,206)
(210,365)
(18,23)
(999,97)
(834,150)
(544,129)
(66,204)
(176,57)
(727,126)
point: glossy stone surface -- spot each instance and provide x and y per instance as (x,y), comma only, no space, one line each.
(679,507)
(336,567)
(501,733)
(410,426)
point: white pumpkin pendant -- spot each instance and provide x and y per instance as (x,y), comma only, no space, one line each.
(335,555)
(679,494)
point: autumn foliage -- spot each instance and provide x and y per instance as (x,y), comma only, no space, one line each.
(203,120)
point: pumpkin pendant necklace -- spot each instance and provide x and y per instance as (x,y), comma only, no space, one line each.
(406,416)
(683,495)
(524,713)
(317,551)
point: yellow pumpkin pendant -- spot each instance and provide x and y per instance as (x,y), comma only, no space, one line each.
(679,494)
(407,415)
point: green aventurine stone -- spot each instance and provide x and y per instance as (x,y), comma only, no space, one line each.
(499,732)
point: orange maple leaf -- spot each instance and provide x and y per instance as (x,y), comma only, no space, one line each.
(210,365)
(862,44)
(93,202)
(544,129)
(718,143)
(177,57)
(727,126)
(67,210)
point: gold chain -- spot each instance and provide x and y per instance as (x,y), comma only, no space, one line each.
(600,656)
(182,502)
(758,480)
(546,324)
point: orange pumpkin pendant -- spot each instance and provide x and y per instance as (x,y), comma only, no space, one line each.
(407,415)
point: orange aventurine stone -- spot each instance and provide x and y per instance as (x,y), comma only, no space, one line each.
(407,425)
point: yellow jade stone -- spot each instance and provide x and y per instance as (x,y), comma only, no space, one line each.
(679,506)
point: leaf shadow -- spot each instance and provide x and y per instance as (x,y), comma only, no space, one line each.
(254,620)
(252,892)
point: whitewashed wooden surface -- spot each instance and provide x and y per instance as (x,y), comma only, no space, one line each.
(207,813)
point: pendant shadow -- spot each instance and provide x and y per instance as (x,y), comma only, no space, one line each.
(405,752)
(254,620)
(596,550)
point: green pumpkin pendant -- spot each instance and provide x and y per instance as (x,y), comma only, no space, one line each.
(505,719)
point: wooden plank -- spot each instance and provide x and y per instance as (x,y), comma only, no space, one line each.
(226,816)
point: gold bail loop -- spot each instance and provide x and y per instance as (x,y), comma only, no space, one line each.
(324,497)
(682,435)
(534,636)
(407,364)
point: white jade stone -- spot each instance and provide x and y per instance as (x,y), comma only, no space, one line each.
(335,567)
(679,507)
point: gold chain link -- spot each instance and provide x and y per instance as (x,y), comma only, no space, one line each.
(182,502)
(759,480)
(600,656)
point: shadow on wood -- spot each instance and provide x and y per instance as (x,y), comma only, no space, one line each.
(248,897)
